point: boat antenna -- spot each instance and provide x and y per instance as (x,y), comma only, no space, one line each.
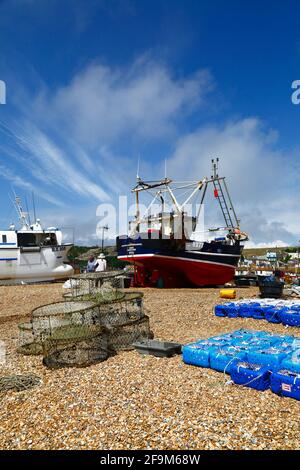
(165,168)
(138,169)
(33,205)
(215,166)
(28,213)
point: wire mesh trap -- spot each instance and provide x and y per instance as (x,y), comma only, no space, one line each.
(105,283)
(27,343)
(122,337)
(48,317)
(75,346)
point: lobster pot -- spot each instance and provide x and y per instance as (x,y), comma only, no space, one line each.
(128,308)
(286,383)
(250,375)
(27,343)
(75,346)
(122,337)
(48,317)
(104,283)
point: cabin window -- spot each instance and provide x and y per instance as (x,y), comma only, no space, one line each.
(26,239)
(4,239)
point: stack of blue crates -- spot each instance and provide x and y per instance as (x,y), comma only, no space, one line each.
(273,311)
(255,359)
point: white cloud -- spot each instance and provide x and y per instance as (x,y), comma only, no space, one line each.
(261,181)
(102,104)
(82,140)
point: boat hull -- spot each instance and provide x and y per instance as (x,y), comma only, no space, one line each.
(212,264)
(34,265)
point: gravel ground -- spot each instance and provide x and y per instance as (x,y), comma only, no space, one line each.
(141,402)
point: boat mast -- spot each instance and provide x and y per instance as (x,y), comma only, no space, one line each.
(230,218)
(22,215)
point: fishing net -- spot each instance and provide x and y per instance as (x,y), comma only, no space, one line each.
(105,283)
(75,346)
(18,383)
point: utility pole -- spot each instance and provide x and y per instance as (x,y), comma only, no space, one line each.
(104,227)
(298,258)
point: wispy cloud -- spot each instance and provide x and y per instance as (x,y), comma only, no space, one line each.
(262,177)
(144,100)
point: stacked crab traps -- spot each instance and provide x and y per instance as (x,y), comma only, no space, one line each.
(255,359)
(274,311)
(93,324)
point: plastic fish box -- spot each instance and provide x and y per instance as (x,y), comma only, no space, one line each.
(258,313)
(272,315)
(197,354)
(286,383)
(221,359)
(271,357)
(233,311)
(290,318)
(245,311)
(242,334)
(157,348)
(221,311)
(292,362)
(254,376)
(220,341)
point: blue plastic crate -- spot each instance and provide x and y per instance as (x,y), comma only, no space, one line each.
(272,315)
(245,311)
(220,341)
(197,354)
(221,311)
(271,357)
(233,311)
(292,362)
(222,358)
(286,383)
(254,376)
(241,334)
(258,313)
(290,318)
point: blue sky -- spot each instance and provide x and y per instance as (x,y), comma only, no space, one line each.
(93,84)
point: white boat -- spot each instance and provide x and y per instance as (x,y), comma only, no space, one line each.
(33,254)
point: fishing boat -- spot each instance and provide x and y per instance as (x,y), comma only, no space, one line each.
(165,248)
(32,254)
